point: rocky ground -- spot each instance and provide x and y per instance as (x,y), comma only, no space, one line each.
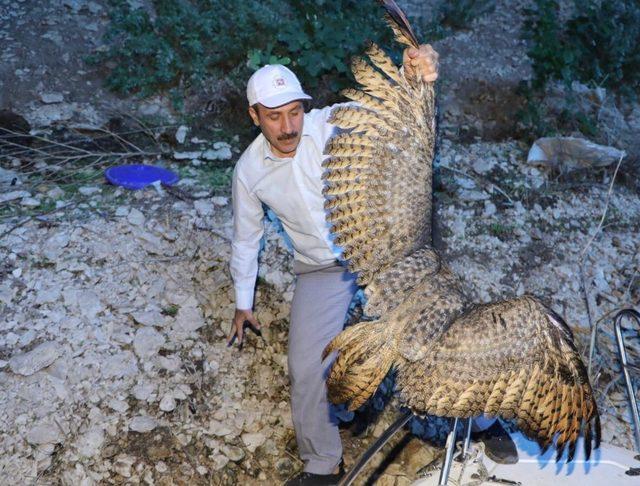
(114,305)
(113,361)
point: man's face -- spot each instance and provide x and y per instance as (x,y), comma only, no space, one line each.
(282,126)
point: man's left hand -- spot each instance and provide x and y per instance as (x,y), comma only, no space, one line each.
(422,62)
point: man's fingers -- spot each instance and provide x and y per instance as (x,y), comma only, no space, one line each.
(236,332)
(430,78)
(254,321)
(412,52)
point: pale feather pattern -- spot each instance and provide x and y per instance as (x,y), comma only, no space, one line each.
(514,359)
(391,130)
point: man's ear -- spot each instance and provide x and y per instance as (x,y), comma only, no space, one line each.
(253,113)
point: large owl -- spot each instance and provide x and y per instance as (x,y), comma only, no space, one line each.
(514,359)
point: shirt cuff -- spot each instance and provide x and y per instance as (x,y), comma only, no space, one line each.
(244,299)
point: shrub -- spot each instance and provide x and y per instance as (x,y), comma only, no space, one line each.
(183,42)
(450,16)
(175,45)
(598,44)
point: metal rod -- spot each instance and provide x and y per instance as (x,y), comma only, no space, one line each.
(625,367)
(448,456)
(375,447)
(467,438)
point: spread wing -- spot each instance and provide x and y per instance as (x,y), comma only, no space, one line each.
(378,177)
(513,359)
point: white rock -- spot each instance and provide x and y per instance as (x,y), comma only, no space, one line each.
(89,304)
(30,202)
(89,190)
(45,434)
(143,424)
(253,441)
(234,453)
(471,195)
(16,272)
(169,234)
(277,278)
(168,403)
(7,176)
(55,193)
(220,461)
(48,114)
(600,280)
(7,293)
(465,182)
(120,365)
(161,467)
(54,246)
(122,465)
(219,429)
(149,318)
(179,392)
(204,208)
(136,217)
(142,391)
(40,357)
(519,208)
(90,443)
(50,98)
(220,200)
(189,318)
(170,363)
(118,405)
(186,155)
(181,134)
(220,151)
(47,296)
(150,242)
(26,338)
(482,166)
(147,342)
(122,211)
(489,209)
(13,195)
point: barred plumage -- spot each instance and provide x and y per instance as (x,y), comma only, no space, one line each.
(514,359)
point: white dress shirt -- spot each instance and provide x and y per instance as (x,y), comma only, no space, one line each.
(292,188)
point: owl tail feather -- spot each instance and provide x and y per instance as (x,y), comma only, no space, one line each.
(366,352)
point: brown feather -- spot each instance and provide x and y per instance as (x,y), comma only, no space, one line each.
(399,23)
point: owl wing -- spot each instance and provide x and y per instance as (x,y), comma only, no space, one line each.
(514,359)
(378,177)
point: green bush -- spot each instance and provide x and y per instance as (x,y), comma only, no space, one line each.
(452,15)
(181,43)
(598,44)
(459,14)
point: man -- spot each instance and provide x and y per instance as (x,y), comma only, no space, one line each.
(282,169)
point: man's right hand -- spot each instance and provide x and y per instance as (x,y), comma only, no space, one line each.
(237,326)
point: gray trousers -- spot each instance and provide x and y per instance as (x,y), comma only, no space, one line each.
(320,303)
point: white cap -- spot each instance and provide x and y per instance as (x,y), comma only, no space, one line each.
(274,85)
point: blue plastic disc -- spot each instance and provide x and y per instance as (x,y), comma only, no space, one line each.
(137,176)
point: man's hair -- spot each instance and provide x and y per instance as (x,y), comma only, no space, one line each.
(305,106)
